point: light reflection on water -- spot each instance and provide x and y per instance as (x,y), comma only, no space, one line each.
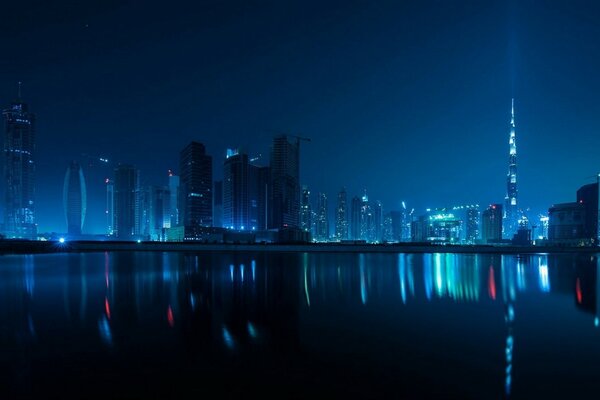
(409,324)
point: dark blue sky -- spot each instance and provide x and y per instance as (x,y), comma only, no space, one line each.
(408,100)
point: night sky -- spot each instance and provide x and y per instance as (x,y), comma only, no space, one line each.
(410,100)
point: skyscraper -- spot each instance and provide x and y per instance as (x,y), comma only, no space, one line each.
(305,210)
(511,217)
(235,191)
(196,182)
(110,206)
(377,210)
(19,170)
(173,199)
(472,217)
(74,199)
(491,223)
(264,195)
(322,222)
(355,218)
(218,204)
(126,202)
(157,212)
(341,217)
(285,179)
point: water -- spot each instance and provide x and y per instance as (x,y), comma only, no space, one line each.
(160,325)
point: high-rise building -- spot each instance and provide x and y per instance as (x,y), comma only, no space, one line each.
(110,206)
(407,216)
(126,202)
(491,223)
(367,225)
(19,170)
(195,186)
(74,199)
(157,211)
(285,180)
(218,204)
(322,222)
(235,191)
(264,195)
(377,210)
(341,216)
(511,217)
(472,222)
(396,225)
(305,210)
(355,218)
(173,199)
(388,232)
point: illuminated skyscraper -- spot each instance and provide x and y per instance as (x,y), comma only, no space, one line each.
(110,206)
(322,222)
(355,220)
(19,170)
(173,199)
(510,223)
(196,181)
(235,191)
(491,223)
(285,180)
(472,222)
(74,199)
(341,217)
(305,210)
(126,202)
(218,204)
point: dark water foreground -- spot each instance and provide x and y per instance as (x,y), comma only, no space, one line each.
(174,325)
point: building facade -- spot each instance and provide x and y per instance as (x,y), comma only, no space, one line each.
(285,181)
(126,202)
(196,181)
(74,199)
(236,205)
(322,221)
(19,171)
(341,216)
(491,223)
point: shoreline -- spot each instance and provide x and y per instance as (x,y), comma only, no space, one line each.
(39,247)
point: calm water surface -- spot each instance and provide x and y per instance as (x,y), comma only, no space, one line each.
(161,325)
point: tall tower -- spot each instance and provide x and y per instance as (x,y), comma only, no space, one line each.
(74,199)
(511,217)
(322,222)
(236,205)
(19,170)
(126,202)
(196,181)
(305,210)
(285,179)
(341,218)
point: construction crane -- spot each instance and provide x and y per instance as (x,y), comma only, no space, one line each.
(297,137)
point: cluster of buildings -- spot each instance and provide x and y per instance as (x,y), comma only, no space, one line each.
(266,203)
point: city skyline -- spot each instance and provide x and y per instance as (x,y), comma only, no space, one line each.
(371,126)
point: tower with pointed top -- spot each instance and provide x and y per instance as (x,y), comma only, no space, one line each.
(511,217)
(19,170)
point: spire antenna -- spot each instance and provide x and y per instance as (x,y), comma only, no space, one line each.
(19,90)
(512,112)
